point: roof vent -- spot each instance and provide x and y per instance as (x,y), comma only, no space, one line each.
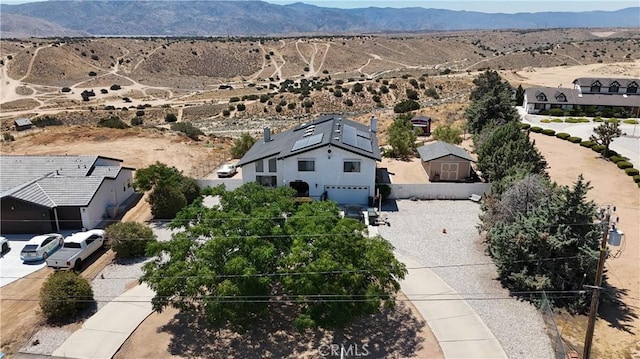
(337,131)
(337,138)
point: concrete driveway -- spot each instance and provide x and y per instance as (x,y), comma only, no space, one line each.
(11,266)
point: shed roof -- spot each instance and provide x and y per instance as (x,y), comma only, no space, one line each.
(438,149)
(23,122)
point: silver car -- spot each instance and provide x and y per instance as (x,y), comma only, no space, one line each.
(226,170)
(40,247)
(4,244)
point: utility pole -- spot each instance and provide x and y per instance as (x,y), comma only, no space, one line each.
(595,296)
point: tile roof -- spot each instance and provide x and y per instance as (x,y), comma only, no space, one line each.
(16,170)
(328,129)
(438,149)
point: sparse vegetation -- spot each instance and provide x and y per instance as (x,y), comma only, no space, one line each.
(64,295)
(188,129)
(112,122)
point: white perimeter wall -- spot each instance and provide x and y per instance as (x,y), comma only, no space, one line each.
(438,190)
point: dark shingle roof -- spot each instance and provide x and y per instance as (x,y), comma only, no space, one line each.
(437,149)
(574,97)
(588,81)
(329,129)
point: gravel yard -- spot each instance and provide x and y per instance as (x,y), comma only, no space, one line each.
(416,230)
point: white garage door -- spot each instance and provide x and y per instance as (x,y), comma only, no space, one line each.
(348,194)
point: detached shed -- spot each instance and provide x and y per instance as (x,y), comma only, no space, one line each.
(22,124)
(423,123)
(445,162)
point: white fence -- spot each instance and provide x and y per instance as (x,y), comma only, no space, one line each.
(229,183)
(438,190)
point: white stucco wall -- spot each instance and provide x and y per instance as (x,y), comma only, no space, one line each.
(111,192)
(329,170)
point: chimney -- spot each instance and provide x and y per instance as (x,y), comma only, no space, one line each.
(374,124)
(267,134)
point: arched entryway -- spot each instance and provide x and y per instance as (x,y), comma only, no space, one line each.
(301,187)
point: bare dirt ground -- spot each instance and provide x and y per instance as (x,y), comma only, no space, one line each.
(617,330)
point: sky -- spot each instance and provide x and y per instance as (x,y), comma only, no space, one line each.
(512,6)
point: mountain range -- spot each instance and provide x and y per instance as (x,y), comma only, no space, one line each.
(259,18)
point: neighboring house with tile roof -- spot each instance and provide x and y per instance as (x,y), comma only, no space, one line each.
(41,194)
(445,162)
(330,155)
(599,94)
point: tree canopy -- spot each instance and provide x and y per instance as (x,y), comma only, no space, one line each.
(508,152)
(402,138)
(492,103)
(242,145)
(448,134)
(170,189)
(605,134)
(258,248)
(549,243)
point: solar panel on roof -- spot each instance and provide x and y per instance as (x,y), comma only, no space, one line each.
(364,144)
(364,134)
(349,136)
(306,142)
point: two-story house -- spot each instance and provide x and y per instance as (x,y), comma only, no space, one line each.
(331,157)
(597,93)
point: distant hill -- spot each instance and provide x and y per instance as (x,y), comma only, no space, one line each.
(256,18)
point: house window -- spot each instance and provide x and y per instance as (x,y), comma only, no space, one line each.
(538,106)
(259,166)
(595,87)
(561,98)
(614,87)
(306,165)
(352,166)
(267,181)
(541,97)
(272,165)
(632,88)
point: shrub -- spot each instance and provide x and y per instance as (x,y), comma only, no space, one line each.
(612,120)
(577,120)
(406,106)
(632,172)
(597,148)
(112,122)
(557,120)
(188,129)
(574,139)
(139,113)
(556,112)
(64,294)
(624,165)
(136,121)
(525,126)
(545,120)
(563,135)
(92,73)
(598,119)
(348,102)
(234,99)
(115,87)
(548,132)
(170,117)
(587,144)
(536,129)
(66,89)
(412,94)
(630,122)
(226,113)
(129,239)
(241,107)
(636,178)
(46,121)
(8,137)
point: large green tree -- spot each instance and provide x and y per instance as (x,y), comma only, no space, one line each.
(448,134)
(402,138)
(170,189)
(509,154)
(492,103)
(258,248)
(551,246)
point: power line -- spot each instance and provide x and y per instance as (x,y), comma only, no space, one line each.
(274,274)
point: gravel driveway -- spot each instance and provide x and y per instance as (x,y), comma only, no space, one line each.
(416,230)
